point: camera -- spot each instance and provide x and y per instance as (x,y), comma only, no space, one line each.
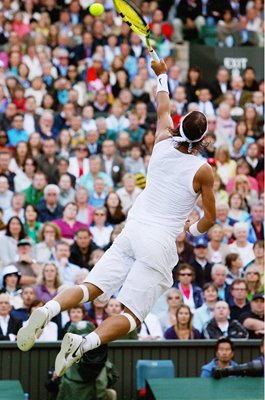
(253,368)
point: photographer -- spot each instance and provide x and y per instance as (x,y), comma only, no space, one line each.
(224,352)
(254,368)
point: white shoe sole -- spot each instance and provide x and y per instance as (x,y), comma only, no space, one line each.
(28,334)
(67,347)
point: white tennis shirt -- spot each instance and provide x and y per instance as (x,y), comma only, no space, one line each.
(168,197)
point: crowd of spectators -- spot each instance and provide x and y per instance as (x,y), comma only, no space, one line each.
(77,129)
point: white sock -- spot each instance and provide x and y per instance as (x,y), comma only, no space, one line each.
(53,307)
(92,342)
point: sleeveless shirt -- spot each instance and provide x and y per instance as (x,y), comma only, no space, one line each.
(168,197)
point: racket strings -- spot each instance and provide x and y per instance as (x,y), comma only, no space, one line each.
(131,17)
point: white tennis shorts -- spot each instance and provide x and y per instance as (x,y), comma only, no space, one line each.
(140,261)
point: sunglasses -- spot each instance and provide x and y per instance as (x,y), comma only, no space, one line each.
(186,274)
(81,149)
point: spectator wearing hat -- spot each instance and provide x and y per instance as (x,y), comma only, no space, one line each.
(49,208)
(201,265)
(9,326)
(11,278)
(253,321)
(220,325)
(26,265)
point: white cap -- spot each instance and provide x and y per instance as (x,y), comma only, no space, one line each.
(10,269)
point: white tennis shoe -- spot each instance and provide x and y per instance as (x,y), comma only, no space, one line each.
(70,353)
(33,328)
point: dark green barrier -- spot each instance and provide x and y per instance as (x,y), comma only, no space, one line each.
(31,368)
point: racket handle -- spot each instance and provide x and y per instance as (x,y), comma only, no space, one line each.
(153,55)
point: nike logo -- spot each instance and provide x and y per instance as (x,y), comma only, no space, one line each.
(76,350)
(160,81)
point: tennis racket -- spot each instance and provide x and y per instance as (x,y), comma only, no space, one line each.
(132,16)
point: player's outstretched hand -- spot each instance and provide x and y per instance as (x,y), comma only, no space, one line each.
(159,67)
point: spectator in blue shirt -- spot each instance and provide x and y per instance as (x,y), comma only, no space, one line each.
(224,352)
(17,133)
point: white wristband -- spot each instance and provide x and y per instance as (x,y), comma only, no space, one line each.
(193,230)
(162,85)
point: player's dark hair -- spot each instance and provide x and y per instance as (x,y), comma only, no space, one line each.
(194,126)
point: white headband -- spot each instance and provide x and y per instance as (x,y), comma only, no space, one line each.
(183,137)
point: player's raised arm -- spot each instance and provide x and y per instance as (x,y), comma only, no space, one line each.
(164,120)
(203,182)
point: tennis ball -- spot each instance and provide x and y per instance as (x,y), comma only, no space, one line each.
(96,9)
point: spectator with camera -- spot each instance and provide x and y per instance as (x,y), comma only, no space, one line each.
(224,352)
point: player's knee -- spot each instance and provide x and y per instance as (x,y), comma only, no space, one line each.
(85,291)
(133,320)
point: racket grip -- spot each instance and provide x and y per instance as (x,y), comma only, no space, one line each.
(153,55)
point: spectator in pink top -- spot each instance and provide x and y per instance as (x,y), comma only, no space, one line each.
(18,25)
(68,224)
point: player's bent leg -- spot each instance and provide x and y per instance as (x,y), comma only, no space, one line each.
(74,346)
(68,298)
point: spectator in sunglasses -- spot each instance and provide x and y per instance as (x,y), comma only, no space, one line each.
(192,294)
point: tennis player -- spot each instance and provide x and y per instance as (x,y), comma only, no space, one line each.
(142,257)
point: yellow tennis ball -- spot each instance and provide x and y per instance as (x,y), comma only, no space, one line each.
(96,9)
